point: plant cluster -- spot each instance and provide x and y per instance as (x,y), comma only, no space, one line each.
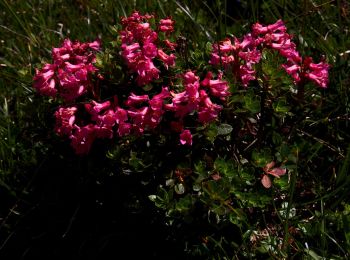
(146,53)
(233,112)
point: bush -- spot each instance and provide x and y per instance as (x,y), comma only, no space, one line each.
(227,138)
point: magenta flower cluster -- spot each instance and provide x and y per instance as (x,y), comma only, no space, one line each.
(69,74)
(140,46)
(148,53)
(240,55)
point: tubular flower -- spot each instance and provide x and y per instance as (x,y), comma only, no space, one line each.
(186,137)
(104,118)
(69,74)
(45,81)
(207,111)
(121,116)
(238,56)
(168,60)
(317,72)
(134,100)
(186,102)
(222,53)
(65,118)
(82,138)
(166,25)
(157,107)
(170,45)
(105,124)
(217,87)
(277,26)
(94,108)
(139,46)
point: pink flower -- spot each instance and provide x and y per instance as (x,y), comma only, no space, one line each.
(185,102)
(74,80)
(124,129)
(250,56)
(121,118)
(186,137)
(44,80)
(277,26)
(94,108)
(207,111)
(190,78)
(218,88)
(137,32)
(224,46)
(121,115)
(156,103)
(247,73)
(62,53)
(156,108)
(95,45)
(65,118)
(170,45)
(248,42)
(223,53)
(318,73)
(291,54)
(82,138)
(168,60)
(149,49)
(106,122)
(293,70)
(238,56)
(135,28)
(147,72)
(225,60)
(75,52)
(131,52)
(134,100)
(166,25)
(71,68)
(139,117)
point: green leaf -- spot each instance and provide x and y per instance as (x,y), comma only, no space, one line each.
(208,47)
(237,219)
(252,102)
(261,158)
(211,133)
(148,87)
(255,199)
(184,204)
(134,162)
(179,188)
(282,182)
(158,201)
(276,138)
(217,190)
(225,167)
(247,175)
(280,106)
(224,129)
(313,254)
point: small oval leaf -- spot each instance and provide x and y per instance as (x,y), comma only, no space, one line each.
(180,188)
(266,182)
(224,129)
